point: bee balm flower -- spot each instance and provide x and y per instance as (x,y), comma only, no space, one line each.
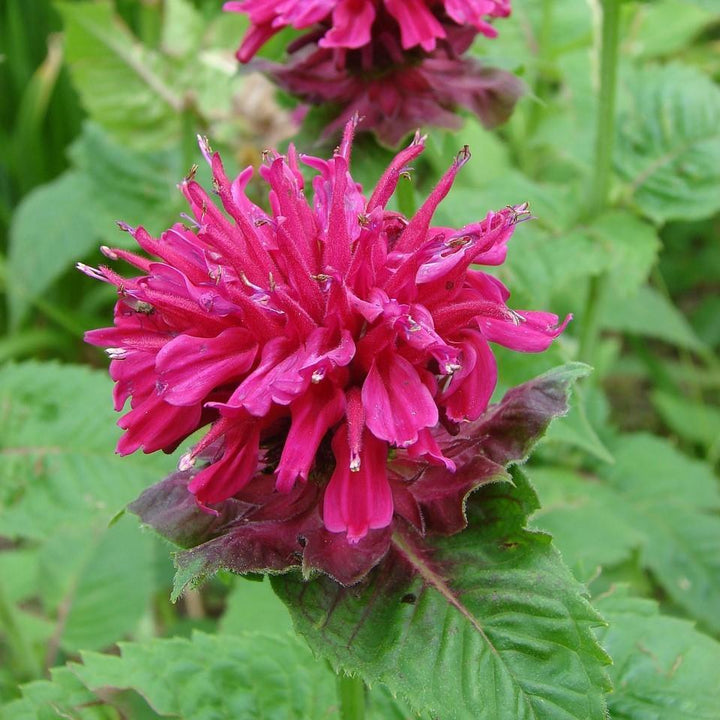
(351,24)
(316,340)
(396,63)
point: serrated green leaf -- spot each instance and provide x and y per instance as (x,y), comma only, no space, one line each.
(150,99)
(123,85)
(64,696)
(381,705)
(650,314)
(663,668)
(485,624)
(668,145)
(264,677)
(57,461)
(62,484)
(653,499)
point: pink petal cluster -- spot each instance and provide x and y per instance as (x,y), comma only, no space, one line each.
(350,24)
(315,339)
(396,63)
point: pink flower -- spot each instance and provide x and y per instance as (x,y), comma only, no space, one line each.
(352,23)
(314,339)
(397,63)
(394,92)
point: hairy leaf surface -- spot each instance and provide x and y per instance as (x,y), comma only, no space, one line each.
(485,624)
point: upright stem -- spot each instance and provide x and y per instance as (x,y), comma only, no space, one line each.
(605,136)
(352,697)
(600,187)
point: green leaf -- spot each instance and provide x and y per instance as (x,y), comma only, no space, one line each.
(616,242)
(490,156)
(663,668)
(86,574)
(149,98)
(123,85)
(654,499)
(549,202)
(650,314)
(254,606)
(264,677)
(182,28)
(54,225)
(581,514)
(64,696)
(381,705)
(694,421)
(140,188)
(57,461)
(576,430)
(663,28)
(61,222)
(631,247)
(487,623)
(61,486)
(668,145)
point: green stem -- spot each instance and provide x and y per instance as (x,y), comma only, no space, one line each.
(600,187)
(604,138)
(352,697)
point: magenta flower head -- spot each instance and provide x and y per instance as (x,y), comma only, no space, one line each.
(394,93)
(332,347)
(396,63)
(350,24)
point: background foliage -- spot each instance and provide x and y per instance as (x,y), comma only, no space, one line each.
(101,103)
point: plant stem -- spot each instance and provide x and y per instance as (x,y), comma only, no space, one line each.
(600,187)
(605,136)
(352,697)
